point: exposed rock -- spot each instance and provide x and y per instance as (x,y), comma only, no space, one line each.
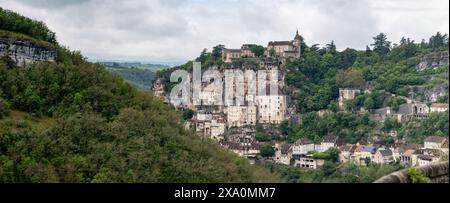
(432,60)
(346,94)
(434,93)
(24,51)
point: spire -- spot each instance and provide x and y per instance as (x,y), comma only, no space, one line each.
(297,36)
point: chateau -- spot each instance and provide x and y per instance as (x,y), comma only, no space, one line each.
(280,49)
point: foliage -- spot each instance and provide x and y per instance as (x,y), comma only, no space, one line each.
(188,114)
(258,50)
(417,130)
(139,78)
(350,78)
(84,125)
(334,173)
(267,151)
(417,176)
(381,45)
(351,128)
(4,108)
(15,22)
(331,154)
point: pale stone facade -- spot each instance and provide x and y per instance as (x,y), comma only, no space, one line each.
(238,116)
(346,94)
(302,147)
(271,109)
(285,49)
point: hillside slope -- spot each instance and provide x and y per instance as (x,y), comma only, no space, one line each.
(72,121)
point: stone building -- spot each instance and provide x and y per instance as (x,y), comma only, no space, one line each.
(309,162)
(271,109)
(228,55)
(302,147)
(283,153)
(281,49)
(286,49)
(434,142)
(346,94)
(238,116)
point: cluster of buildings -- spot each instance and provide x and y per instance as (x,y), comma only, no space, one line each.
(279,49)
(411,109)
(300,153)
(213,120)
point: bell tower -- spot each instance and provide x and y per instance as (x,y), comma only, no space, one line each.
(298,43)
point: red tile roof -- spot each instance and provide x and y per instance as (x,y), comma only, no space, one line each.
(439,105)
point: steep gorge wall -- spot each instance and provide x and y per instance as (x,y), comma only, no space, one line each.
(24,51)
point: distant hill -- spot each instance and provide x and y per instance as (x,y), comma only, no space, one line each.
(139,78)
(138,65)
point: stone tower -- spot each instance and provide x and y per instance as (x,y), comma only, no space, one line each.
(298,43)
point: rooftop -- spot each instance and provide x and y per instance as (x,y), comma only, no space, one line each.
(435,139)
(439,105)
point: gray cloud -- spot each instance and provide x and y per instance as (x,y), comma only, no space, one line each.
(177,30)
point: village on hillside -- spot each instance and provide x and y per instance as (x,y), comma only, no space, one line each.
(234,127)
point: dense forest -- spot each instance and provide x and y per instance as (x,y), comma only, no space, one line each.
(73,121)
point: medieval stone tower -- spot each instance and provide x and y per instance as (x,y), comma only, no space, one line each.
(298,43)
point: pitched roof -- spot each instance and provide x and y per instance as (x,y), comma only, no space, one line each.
(303,141)
(425,157)
(435,139)
(439,105)
(330,139)
(285,148)
(233,50)
(280,43)
(369,149)
(409,152)
(385,152)
(347,148)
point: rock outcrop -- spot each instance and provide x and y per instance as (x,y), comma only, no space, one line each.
(435,92)
(432,60)
(25,51)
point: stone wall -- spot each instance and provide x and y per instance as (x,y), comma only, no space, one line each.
(438,173)
(24,51)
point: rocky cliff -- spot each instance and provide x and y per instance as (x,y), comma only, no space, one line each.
(432,60)
(25,51)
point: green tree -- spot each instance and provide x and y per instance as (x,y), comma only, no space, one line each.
(381,45)
(350,78)
(272,52)
(188,114)
(267,151)
(438,40)
(258,50)
(217,52)
(416,176)
(4,108)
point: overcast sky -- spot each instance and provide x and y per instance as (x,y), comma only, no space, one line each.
(173,31)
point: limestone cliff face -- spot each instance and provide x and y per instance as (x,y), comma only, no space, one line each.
(432,60)
(24,51)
